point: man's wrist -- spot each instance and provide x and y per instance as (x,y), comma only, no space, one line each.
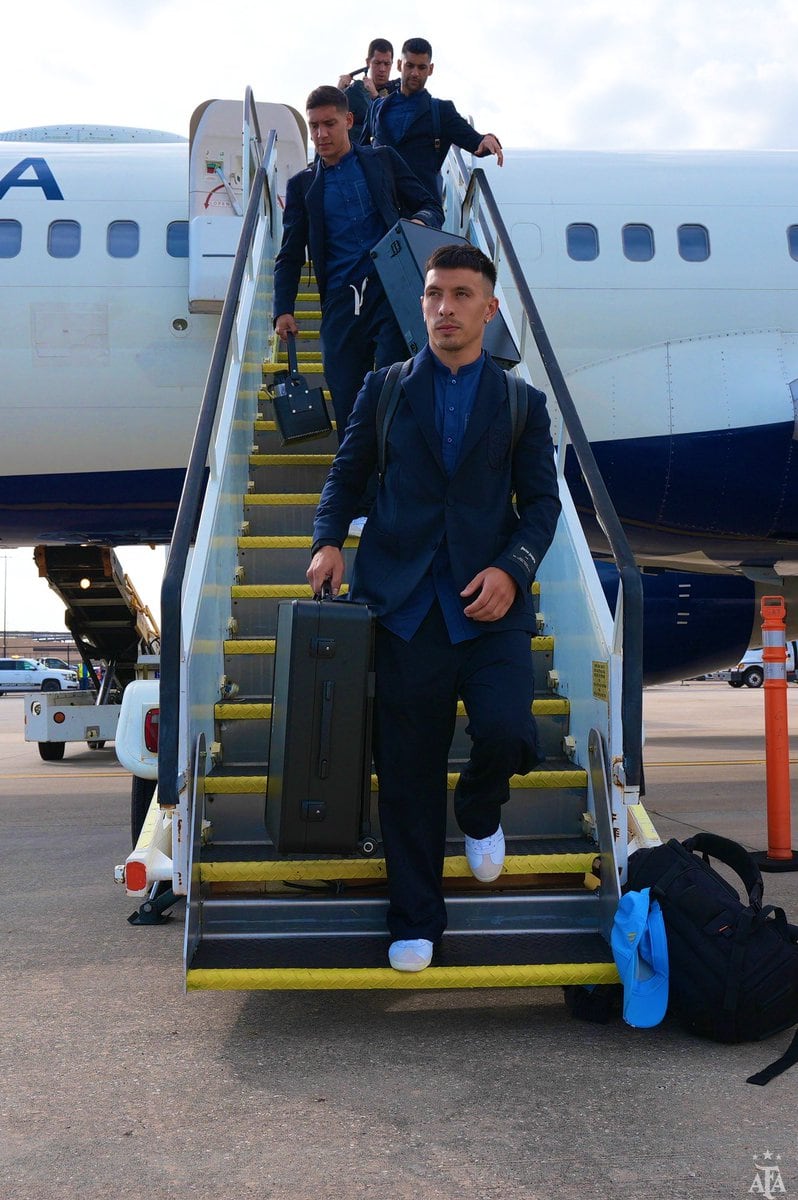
(321,543)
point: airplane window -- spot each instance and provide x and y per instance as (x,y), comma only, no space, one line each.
(123,239)
(63,239)
(10,239)
(693,243)
(582,242)
(177,239)
(792,240)
(638,242)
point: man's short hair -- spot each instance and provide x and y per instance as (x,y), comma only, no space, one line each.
(320,97)
(379,46)
(456,257)
(417,46)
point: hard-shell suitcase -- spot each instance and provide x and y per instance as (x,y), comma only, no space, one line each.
(399,259)
(319,775)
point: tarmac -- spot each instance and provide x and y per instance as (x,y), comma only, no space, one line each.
(114,1082)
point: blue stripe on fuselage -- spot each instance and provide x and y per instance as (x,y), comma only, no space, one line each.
(116,508)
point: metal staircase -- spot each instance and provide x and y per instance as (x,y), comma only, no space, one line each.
(255,920)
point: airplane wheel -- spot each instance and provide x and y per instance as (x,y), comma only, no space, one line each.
(51,751)
(141,793)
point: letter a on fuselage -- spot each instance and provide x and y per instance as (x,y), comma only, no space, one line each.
(44,178)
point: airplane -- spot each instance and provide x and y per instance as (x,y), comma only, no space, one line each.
(666,283)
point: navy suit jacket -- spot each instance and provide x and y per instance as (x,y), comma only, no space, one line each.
(417,147)
(418,504)
(394,189)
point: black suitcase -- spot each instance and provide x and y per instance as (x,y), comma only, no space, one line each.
(399,258)
(319,779)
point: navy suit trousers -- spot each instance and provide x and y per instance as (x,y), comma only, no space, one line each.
(418,684)
(354,344)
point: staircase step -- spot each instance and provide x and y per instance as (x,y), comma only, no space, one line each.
(541,778)
(291,459)
(358,961)
(231,863)
(246,711)
(271,591)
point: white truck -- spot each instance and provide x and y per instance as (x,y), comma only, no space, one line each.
(750,671)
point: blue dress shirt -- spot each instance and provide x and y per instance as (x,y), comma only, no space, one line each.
(454,401)
(352,225)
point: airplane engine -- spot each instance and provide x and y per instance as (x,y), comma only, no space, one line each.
(693,624)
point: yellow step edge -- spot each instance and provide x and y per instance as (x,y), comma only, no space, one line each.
(264,426)
(309,366)
(301,541)
(291,460)
(242,712)
(276,591)
(454,867)
(278,498)
(369,978)
(263,710)
(239,785)
(550,706)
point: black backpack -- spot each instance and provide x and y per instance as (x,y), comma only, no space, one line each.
(733,966)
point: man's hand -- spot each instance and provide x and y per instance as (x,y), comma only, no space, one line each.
(327,563)
(286,324)
(495,593)
(368,84)
(490,144)
(344,82)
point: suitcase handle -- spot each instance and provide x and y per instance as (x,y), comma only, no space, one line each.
(325,593)
(290,345)
(325,730)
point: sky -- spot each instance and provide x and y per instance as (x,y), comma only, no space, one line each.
(594,74)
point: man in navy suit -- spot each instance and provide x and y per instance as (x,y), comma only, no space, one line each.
(421,127)
(339,208)
(466,509)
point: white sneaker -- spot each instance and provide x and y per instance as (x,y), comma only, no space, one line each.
(356,526)
(413,955)
(486,856)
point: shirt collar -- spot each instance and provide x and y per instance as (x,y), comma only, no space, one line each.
(466,370)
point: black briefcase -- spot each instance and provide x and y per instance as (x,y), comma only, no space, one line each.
(300,411)
(399,259)
(319,777)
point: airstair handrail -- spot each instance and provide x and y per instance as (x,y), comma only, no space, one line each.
(191,498)
(630,582)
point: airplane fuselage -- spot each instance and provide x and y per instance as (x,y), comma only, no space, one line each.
(666,282)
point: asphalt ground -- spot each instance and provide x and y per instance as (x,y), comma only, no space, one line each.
(115,1083)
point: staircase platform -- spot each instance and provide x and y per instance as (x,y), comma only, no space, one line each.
(359,962)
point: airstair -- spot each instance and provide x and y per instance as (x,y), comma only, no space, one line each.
(256,920)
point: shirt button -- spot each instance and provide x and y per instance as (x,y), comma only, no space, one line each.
(451,408)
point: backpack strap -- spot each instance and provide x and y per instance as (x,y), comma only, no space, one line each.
(734,856)
(387,404)
(788,1059)
(518,400)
